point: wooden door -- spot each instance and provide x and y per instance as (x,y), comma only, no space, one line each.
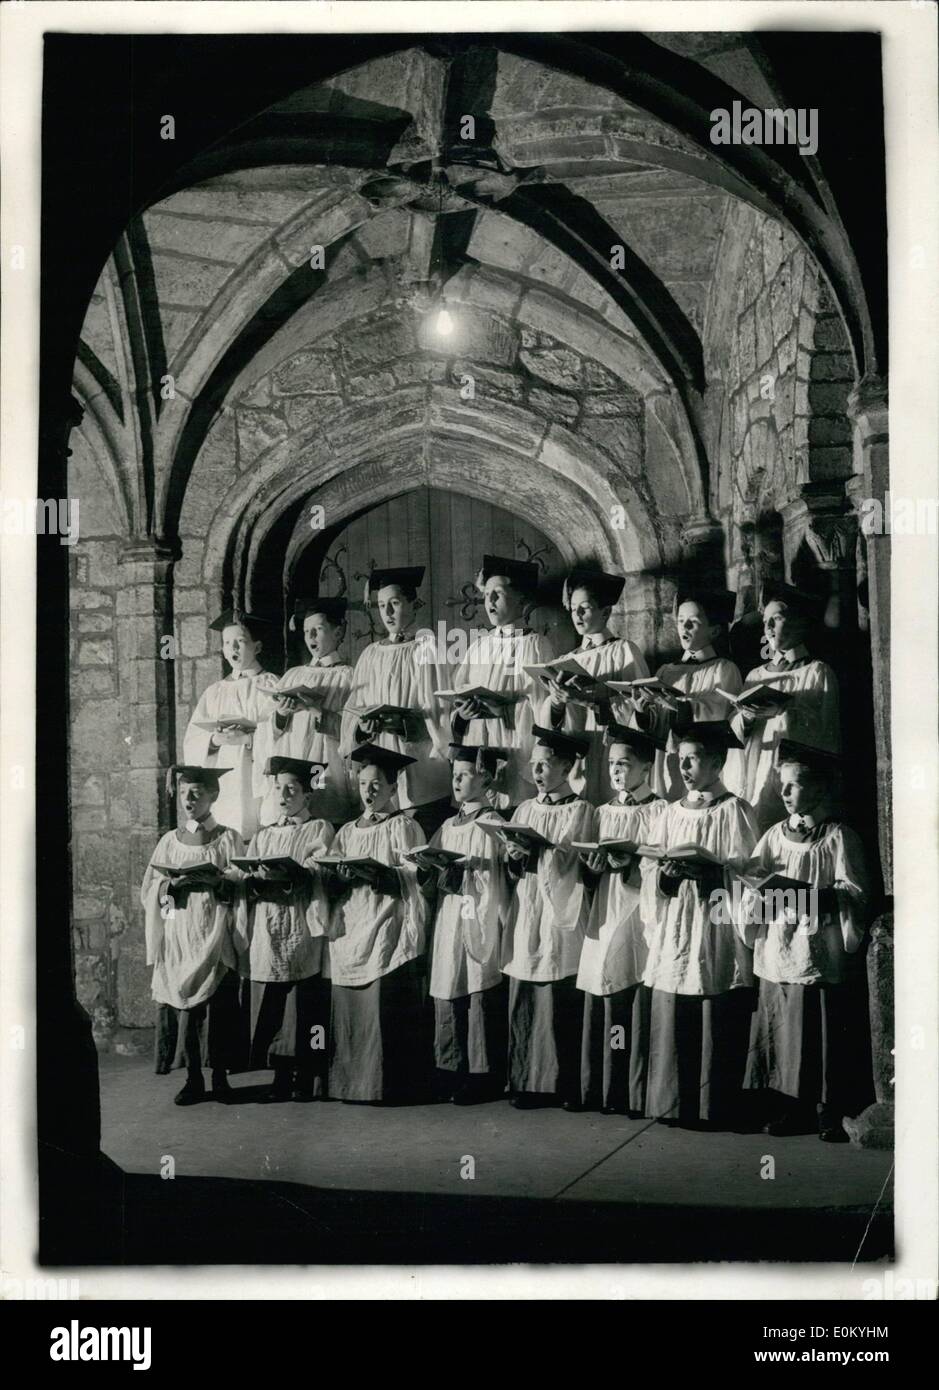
(448,533)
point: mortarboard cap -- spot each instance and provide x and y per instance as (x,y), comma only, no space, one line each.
(714,734)
(385,758)
(718,604)
(568,745)
(191,772)
(406,577)
(522,574)
(332,608)
(484,759)
(605,588)
(300,767)
(816,759)
(644,744)
(810,606)
(230,616)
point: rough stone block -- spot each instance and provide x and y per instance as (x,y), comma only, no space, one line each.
(185,281)
(830,335)
(258,431)
(88,907)
(620,439)
(307,374)
(89,791)
(89,818)
(193,636)
(379,340)
(827,431)
(90,598)
(189,600)
(553,404)
(832,366)
(829,398)
(95,681)
(831,463)
(359,426)
(786,352)
(559,366)
(95,622)
(307,412)
(747,329)
(780,305)
(260,394)
(415,369)
(489,383)
(370,386)
(100,858)
(764,329)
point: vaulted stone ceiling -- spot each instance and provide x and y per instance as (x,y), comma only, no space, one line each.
(587,248)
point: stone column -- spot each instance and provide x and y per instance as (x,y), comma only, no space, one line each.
(868,409)
(146,655)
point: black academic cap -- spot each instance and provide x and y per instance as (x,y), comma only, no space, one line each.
(484,759)
(718,604)
(644,744)
(385,758)
(332,608)
(568,745)
(810,606)
(715,735)
(230,616)
(300,767)
(191,772)
(523,574)
(815,759)
(605,588)
(407,577)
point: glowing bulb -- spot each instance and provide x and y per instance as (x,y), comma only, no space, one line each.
(444,324)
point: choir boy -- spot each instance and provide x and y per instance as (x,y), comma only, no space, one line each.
(189,943)
(466,982)
(544,928)
(698,677)
(497,660)
(242,698)
(404,673)
(801,938)
(615,1042)
(278,953)
(369,905)
(305,727)
(808,715)
(698,969)
(589,596)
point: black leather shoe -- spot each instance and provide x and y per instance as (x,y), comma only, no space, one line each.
(528,1100)
(833,1134)
(613,1110)
(574,1107)
(191,1094)
(220,1088)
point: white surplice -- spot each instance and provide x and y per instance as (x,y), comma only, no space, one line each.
(370,934)
(547,913)
(314,737)
(273,939)
(614,952)
(189,946)
(246,696)
(615,659)
(693,945)
(787,950)
(405,674)
(811,717)
(497,661)
(467,926)
(700,681)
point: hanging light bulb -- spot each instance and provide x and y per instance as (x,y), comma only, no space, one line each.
(444,323)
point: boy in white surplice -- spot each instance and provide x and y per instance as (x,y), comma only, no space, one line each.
(544,928)
(187,902)
(278,953)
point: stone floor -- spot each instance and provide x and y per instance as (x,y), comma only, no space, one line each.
(333,1182)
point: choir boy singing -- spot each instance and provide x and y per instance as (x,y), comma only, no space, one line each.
(808,707)
(698,969)
(393,700)
(277,952)
(466,981)
(803,925)
(497,661)
(305,722)
(697,680)
(590,595)
(220,733)
(544,927)
(188,915)
(615,1042)
(368,903)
